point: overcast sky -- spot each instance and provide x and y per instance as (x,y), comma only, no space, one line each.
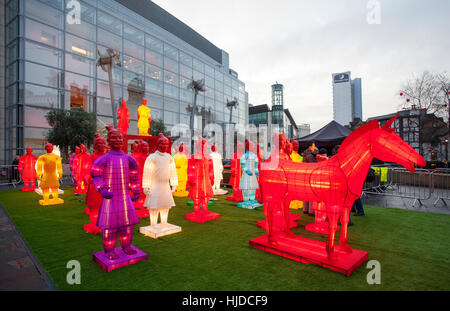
(300,43)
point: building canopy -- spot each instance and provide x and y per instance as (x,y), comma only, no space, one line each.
(328,136)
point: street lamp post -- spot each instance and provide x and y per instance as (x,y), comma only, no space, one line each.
(196,86)
(232,104)
(106,62)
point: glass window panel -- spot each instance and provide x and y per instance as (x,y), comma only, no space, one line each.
(84,30)
(116,73)
(209,81)
(170,64)
(209,102)
(42,75)
(109,40)
(198,75)
(218,96)
(227,91)
(170,118)
(43,13)
(12,30)
(153,58)
(109,22)
(104,121)
(11,10)
(241,87)
(198,65)
(103,90)
(185,107)
(104,108)
(36,116)
(184,82)
(78,83)
(227,80)
(42,54)
(58,4)
(154,86)
(78,100)
(185,59)
(170,90)
(133,64)
(170,77)
(41,96)
(201,100)
(184,119)
(133,49)
(80,46)
(88,13)
(154,101)
(185,71)
(154,72)
(209,91)
(80,64)
(157,114)
(35,138)
(218,75)
(134,94)
(153,43)
(234,84)
(209,71)
(134,85)
(133,34)
(171,52)
(186,95)
(170,104)
(42,33)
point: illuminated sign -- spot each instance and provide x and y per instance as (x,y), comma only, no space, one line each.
(341,77)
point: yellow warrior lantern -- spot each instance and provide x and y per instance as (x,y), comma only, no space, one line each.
(181,164)
(49,168)
(144,118)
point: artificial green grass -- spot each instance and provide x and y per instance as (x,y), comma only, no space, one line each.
(412,247)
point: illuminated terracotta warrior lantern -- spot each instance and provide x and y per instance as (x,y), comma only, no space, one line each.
(144,118)
(123,116)
(337,183)
(81,169)
(200,181)
(159,175)
(26,168)
(218,171)
(72,158)
(93,197)
(236,173)
(181,164)
(249,181)
(140,154)
(115,175)
(49,169)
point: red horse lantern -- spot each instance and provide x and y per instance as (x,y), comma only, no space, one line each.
(337,183)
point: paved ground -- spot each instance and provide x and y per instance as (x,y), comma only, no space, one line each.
(19,271)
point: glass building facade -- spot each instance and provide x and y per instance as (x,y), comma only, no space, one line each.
(51,63)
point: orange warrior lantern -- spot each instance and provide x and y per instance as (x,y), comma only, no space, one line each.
(144,118)
(236,173)
(81,169)
(123,116)
(49,169)
(26,168)
(200,181)
(337,183)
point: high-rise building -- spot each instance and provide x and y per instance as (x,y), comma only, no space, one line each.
(51,62)
(347,98)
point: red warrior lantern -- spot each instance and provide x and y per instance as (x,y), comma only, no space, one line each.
(26,168)
(236,173)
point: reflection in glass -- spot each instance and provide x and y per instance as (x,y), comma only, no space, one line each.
(78,83)
(133,34)
(109,22)
(80,64)
(170,51)
(154,86)
(83,30)
(133,49)
(170,78)
(109,40)
(153,58)
(44,13)
(133,64)
(36,116)
(41,96)
(80,46)
(153,43)
(170,64)
(42,33)
(154,72)
(41,75)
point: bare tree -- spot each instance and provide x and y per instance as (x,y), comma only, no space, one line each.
(427,91)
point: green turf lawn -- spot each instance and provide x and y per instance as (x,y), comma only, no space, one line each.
(412,247)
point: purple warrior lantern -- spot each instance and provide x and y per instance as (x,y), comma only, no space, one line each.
(114,175)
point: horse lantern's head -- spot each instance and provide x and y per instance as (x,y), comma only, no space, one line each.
(387,146)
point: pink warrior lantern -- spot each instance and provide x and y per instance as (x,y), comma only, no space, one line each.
(94,198)
(123,116)
(200,181)
(114,175)
(26,168)
(336,182)
(81,169)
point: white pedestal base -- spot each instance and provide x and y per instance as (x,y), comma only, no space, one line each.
(39,191)
(159,230)
(220,192)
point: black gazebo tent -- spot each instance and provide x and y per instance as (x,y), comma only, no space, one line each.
(328,136)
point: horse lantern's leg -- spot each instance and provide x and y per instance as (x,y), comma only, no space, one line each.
(333,216)
(286,204)
(344,229)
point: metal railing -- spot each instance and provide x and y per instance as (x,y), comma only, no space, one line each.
(420,185)
(9,175)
